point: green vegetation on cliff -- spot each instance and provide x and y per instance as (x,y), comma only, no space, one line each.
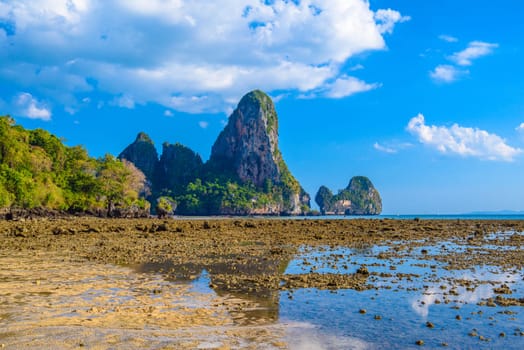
(38,171)
(359,198)
(177,168)
(246,173)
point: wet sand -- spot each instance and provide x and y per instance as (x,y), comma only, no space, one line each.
(87,282)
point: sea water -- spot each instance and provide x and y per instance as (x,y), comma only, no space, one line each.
(403,311)
(428,303)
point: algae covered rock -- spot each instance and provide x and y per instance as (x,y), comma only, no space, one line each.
(360,197)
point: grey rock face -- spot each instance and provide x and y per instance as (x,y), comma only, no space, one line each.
(248,149)
(142,153)
(249,142)
(178,166)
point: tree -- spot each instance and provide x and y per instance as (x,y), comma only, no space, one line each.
(120,182)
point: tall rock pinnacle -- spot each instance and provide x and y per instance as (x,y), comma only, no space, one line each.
(249,143)
(142,153)
(248,149)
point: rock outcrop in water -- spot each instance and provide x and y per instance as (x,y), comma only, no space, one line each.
(247,149)
(359,198)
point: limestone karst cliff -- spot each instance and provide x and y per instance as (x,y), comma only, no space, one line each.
(360,197)
(246,173)
(142,153)
(248,149)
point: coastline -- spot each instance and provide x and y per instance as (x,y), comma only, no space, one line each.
(244,262)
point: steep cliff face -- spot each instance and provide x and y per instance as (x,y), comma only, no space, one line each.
(178,166)
(359,198)
(142,153)
(246,173)
(249,143)
(247,149)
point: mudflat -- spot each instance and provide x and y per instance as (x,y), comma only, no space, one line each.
(101,283)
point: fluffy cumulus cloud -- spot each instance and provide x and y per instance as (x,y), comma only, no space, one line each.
(347,86)
(464,141)
(186,55)
(28,106)
(387,19)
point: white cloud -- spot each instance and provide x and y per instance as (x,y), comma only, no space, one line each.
(124,102)
(448,38)
(70,110)
(392,147)
(191,56)
(520,128)
(356,67)
(28,106)
(447,74)
(203,124)
(387,19)
(168,113)
(384,149)
(464,141)
(475,49)
(347,86)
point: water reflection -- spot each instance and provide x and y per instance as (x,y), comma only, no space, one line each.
(412,288)
(480,286)
(234,278)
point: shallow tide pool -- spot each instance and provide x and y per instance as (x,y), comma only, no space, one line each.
(411,299)
(415,300)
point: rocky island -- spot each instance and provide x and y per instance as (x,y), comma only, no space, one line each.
(246,173)
(360,197)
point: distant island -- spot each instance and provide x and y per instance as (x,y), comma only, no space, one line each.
(245,175)
(359,198)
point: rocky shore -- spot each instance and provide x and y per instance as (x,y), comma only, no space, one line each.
(254,250)
(242,256)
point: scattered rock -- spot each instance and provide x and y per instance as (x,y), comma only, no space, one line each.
(503,289)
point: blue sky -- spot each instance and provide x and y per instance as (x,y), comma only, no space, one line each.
(423,97)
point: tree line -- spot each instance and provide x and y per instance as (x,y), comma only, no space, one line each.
(38,171)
